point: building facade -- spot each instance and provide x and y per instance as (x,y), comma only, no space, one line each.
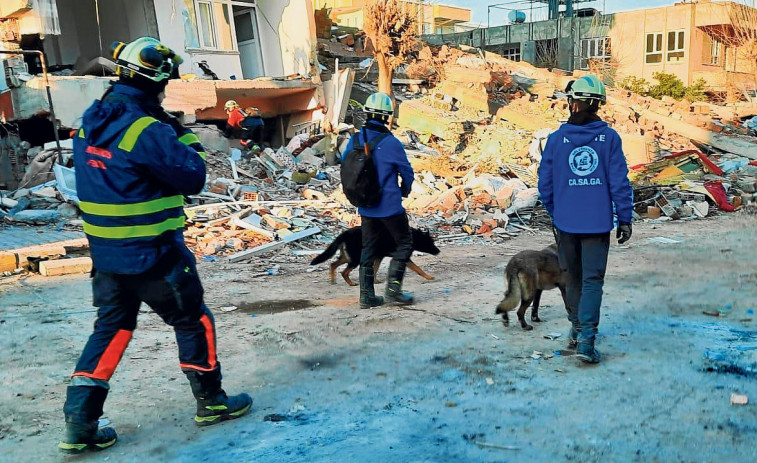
(693,40)
(434,18)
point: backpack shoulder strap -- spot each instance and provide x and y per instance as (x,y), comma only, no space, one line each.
(357,138)
(370,146)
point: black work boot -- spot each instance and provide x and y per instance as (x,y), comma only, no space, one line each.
(213,405)
(394,293)
(586,351)
(79,438)
(83,408)
(368,296)
(221,407)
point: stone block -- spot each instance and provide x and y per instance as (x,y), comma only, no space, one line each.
(44,250)
(8,261)
(51,268)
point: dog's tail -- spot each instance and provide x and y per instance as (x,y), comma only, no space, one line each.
(512,295)
(330,251)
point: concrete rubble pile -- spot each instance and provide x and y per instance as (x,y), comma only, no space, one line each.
(474,133)
(485,118)
(249,200)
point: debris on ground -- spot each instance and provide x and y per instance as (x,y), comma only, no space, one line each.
(739,399)
(474,125)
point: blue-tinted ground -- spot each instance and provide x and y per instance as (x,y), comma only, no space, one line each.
(444,382)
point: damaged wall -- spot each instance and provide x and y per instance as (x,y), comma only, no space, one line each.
(71,96)
(176,31)
(287,38)
(81,31)
(291,24)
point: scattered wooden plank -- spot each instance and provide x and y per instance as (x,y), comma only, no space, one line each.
(248,226)
(495,446)
(274,245)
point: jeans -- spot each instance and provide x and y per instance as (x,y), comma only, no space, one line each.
(376,229)
(584,258)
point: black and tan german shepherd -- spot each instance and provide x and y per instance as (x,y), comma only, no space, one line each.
(350,245)
(528,274)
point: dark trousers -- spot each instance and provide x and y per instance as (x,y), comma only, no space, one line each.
(377,229)
(254,133)
(173,290)
(584,258)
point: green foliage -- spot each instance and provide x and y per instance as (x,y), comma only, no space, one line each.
(635,84)
(696,91)
(667,85)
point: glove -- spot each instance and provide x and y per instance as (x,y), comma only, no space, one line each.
(624,233)
(405,191)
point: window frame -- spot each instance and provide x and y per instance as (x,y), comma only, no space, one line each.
(657,47)
(595,43)
(679,39)
(214,28)
(709,58)
(513,53)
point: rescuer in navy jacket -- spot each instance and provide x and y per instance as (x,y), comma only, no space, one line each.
(583,183)
(134,164)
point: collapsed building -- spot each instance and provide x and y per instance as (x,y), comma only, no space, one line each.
(702,39)
(261,53)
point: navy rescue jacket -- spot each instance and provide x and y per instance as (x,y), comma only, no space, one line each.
(133,165)
(391,164)
(582,174)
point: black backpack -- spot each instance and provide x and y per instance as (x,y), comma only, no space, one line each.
(359,175)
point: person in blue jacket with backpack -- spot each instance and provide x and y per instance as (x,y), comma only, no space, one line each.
(583,183)
(388,217)
(134,165)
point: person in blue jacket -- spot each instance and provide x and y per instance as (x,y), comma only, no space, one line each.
(134,163)
(388,217)
(582,176)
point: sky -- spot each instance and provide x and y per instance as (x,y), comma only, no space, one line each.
(499,17)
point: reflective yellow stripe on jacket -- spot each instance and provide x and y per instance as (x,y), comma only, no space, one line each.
(134,231)
(190,139)
(143,208)
(134,131)
(129,210)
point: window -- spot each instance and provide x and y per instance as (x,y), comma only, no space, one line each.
(511,52)
(712,51)
(207,24)
(654,48)
(675,45)
(595,49)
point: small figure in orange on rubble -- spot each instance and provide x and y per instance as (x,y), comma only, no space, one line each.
(134,164)
(245,124)
(380,201)
(583,182)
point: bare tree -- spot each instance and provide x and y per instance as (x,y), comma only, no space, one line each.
(743,18)
(391,26)
(739,42)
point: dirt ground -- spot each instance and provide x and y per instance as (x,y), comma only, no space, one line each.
(442,380)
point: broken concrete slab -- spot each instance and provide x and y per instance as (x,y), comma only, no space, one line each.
(521,120)
(422,118)
(34,216)
(736,144)
(274,245)
(211,138)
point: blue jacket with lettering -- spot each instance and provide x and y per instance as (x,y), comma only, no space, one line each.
(391,163)
(582,174)
(133,165)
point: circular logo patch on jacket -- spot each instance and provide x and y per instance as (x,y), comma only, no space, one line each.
(583,160)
